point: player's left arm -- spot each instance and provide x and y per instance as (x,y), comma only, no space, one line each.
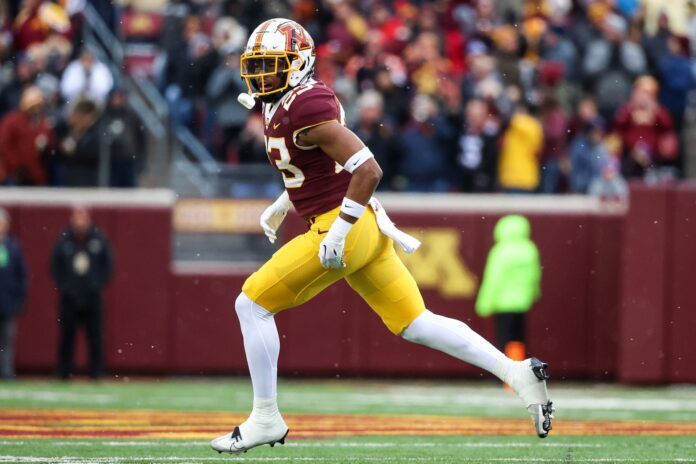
(344,147)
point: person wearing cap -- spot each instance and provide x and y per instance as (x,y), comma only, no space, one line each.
(26,139)
(13,291)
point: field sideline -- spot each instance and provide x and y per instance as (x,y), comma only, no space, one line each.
(337,421)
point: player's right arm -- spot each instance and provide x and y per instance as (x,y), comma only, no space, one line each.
(342,145)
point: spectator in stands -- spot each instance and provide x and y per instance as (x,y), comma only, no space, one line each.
(511,283)
(222,89)
(655,45)
(426,143)
(188,69)
(676,74)
(557,48)
(252,145)
(507,52)
(502,51)
(26,141)
(478,148)
(483,79)
(45,79)
(376,60)
(554,161)
(24,74)
(81,148)
(587,154)
(645,130)
(610,185)
(13,291)
(379,133)
(5,30)
(346,32)
(51,57)
(81,265)
(523,140)
(395,93)
(585,113)
(610,65)
(427,64)
(123,140)
(36,21)
(86,78)
(252,150)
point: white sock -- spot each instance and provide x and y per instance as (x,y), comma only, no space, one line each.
(457,339)
(262,346)
(265,410)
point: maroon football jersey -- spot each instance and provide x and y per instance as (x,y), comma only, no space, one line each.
(314,181)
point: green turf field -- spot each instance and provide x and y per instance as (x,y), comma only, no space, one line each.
(84,422)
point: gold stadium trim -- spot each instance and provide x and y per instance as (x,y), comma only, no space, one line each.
(116,424)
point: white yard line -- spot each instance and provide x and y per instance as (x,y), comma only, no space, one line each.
(118,460)
(56,397)
(492,401)
(324,444)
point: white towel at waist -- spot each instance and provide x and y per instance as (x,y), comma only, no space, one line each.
(407,243)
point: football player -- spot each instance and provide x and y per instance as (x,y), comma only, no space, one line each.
(330,177)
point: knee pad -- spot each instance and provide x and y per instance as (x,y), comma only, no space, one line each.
(417,330)
(246,309)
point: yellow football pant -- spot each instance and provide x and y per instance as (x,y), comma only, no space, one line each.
(294,275)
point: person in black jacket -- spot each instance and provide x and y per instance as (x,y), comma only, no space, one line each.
(81,145)
(81,265)
(13,290)
(477,155)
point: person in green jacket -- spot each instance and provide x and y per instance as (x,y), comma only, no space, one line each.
(511,283)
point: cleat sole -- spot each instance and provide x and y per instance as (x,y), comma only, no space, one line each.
(547,412)
(282,440)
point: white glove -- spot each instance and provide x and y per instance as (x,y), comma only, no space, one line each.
(331,248)
(272,217)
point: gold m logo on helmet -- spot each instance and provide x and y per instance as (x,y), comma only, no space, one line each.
(438,264)
(295,35)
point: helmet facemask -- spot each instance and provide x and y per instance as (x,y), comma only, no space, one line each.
(261,68)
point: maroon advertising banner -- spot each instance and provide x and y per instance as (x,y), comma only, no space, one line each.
(616,302)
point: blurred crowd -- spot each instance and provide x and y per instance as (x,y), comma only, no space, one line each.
(63,116)
(463,95)
(451,95)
